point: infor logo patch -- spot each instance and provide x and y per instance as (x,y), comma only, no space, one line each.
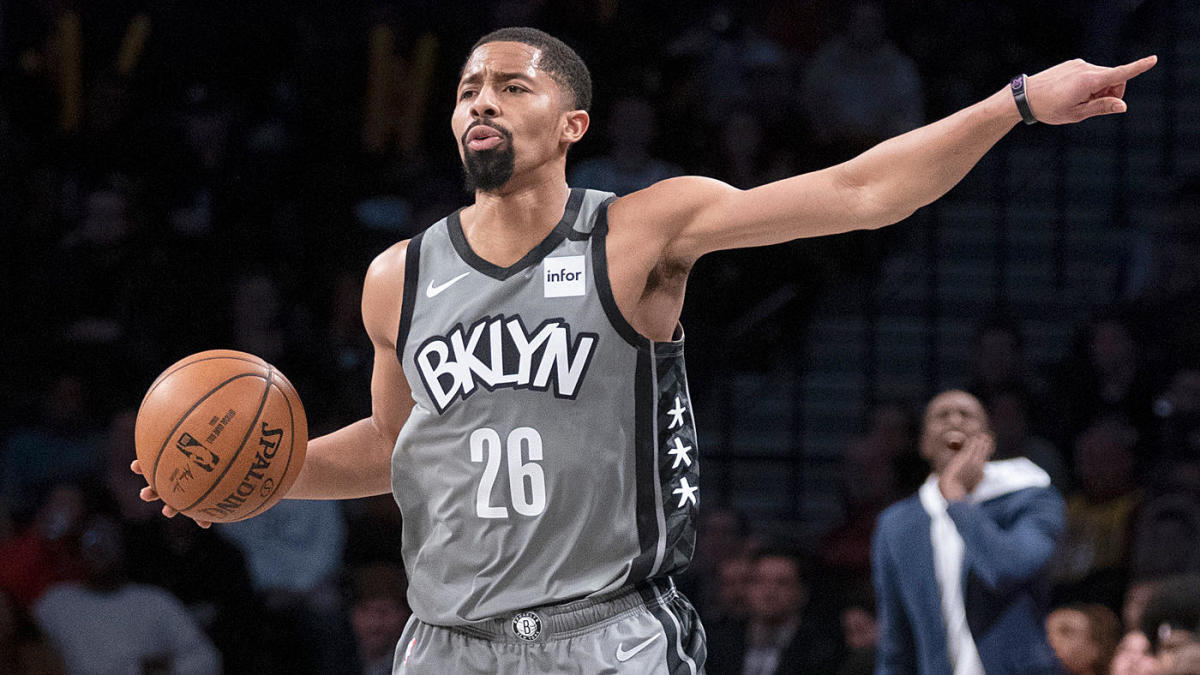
(563,276)
(527,626)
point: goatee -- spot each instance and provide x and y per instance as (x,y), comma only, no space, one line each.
(488,170)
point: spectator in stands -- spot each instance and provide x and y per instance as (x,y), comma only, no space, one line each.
(23,649)
(628,165)
(879,469)
(108,625)
(860,630)
(1132,656)
(61,445)
(1104,375)
(46,552)
(1172,622)
(782,634)
(1009,410)
(1165,536)
(293,552)
(723,534)
(1084,637)
(859,88)
(1177,436)
(742,157)
(998,362)
(731,602)
(378,612)
(1137,596)
(1092,562)
(959,566)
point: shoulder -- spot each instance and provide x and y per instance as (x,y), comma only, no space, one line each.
(383,292)
(676,196)
(388,267)
(901,510)
(899,517)
(659,214)
(1041,503)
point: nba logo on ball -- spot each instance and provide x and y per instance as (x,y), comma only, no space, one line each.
(527,626)
(563,276)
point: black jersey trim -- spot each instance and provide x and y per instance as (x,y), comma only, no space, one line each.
(561,231)
(604,285)
(645,406)
(412,263)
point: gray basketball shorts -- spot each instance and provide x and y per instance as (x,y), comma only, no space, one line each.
(649,628)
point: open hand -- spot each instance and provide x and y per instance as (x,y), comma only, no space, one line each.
(1076,90)
(149,495)
(965,469)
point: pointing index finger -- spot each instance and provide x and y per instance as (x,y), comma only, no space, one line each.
(1130,70)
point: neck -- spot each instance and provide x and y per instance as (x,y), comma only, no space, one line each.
(503,226)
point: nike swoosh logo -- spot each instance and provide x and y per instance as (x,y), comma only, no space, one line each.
(433,289)
(624,655)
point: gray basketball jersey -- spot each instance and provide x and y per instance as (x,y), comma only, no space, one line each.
(551,453)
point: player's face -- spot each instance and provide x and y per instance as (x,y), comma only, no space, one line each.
(510,115)
(951,418)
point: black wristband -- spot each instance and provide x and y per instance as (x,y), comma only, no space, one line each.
(1018,90)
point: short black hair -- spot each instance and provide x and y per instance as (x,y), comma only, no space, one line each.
(558,60)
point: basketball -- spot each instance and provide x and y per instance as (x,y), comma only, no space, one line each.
(221,435)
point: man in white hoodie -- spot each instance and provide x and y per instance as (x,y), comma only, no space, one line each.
(958,567)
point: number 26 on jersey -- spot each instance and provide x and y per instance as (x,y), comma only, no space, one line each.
(526,480)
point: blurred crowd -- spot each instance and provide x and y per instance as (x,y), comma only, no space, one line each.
(179,176)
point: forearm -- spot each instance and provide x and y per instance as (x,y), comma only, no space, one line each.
(352,462)
(1010,556)
(909,171)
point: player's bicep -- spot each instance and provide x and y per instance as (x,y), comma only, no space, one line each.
(383,292)
(701,215)
(391,397)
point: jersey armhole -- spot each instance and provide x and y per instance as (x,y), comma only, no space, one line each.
(412,263)
(604,286)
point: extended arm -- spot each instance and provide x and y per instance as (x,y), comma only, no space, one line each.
(1009,557)
(879,187)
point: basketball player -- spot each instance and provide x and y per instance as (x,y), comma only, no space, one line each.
(530,411)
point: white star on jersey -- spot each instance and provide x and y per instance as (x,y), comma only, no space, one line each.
(680,451)
(676,414)
(686,492)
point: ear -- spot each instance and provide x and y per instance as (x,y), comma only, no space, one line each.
(576,125)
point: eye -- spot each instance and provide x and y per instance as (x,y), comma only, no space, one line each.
(514,89)
(466,93)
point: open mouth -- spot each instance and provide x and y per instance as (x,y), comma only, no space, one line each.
(954,440)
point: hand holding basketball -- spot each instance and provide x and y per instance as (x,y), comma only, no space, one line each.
(221,436)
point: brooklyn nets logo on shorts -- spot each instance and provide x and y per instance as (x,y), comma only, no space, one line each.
(527,626)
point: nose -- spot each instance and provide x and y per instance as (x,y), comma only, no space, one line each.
(485,104)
